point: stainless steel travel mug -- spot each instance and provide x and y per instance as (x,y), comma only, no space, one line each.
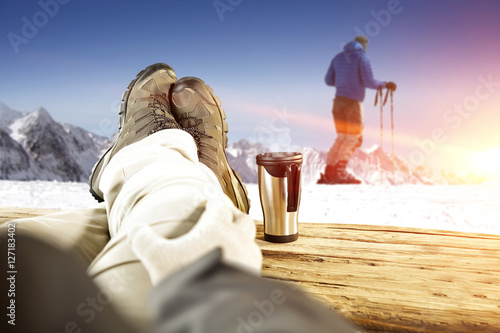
(280,190)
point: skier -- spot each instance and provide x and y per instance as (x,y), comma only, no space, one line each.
(350,72)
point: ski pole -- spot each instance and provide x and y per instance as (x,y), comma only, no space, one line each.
(392,122)
(392,135)
(378,95)
(392,130)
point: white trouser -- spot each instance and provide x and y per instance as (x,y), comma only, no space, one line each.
(157,181)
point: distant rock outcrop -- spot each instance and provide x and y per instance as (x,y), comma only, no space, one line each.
(15,162)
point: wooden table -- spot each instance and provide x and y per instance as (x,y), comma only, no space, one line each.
(387,279)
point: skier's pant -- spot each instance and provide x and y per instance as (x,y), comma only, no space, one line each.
(348,119)
(159,182)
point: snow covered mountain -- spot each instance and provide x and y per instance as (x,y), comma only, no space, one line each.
(33,146)
(371,165)
(36,147)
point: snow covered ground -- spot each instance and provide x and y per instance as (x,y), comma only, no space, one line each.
(469,208)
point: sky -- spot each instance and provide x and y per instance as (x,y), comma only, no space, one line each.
(266,61)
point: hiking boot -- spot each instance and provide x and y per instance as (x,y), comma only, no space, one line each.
(337,175)
(198,111)
(144,110)
(329,177)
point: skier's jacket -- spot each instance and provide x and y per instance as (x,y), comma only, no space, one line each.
(350,72)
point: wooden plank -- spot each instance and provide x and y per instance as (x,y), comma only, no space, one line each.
(10,213)
(389,279)
(386,279)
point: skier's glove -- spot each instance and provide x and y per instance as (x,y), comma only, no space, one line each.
(390,86)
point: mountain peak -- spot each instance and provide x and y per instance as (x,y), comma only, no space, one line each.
(7,114)
(41,116)
(372,149)
(41,112)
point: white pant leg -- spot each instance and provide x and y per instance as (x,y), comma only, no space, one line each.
(350,142)
(81,231)
(333,153)
(157,181)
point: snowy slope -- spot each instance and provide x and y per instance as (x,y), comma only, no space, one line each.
(468,208)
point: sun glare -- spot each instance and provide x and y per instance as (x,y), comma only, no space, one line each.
(488,161)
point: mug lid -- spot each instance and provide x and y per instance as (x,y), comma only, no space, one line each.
(277,157)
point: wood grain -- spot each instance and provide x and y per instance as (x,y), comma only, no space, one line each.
(386,279)
(391,279)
